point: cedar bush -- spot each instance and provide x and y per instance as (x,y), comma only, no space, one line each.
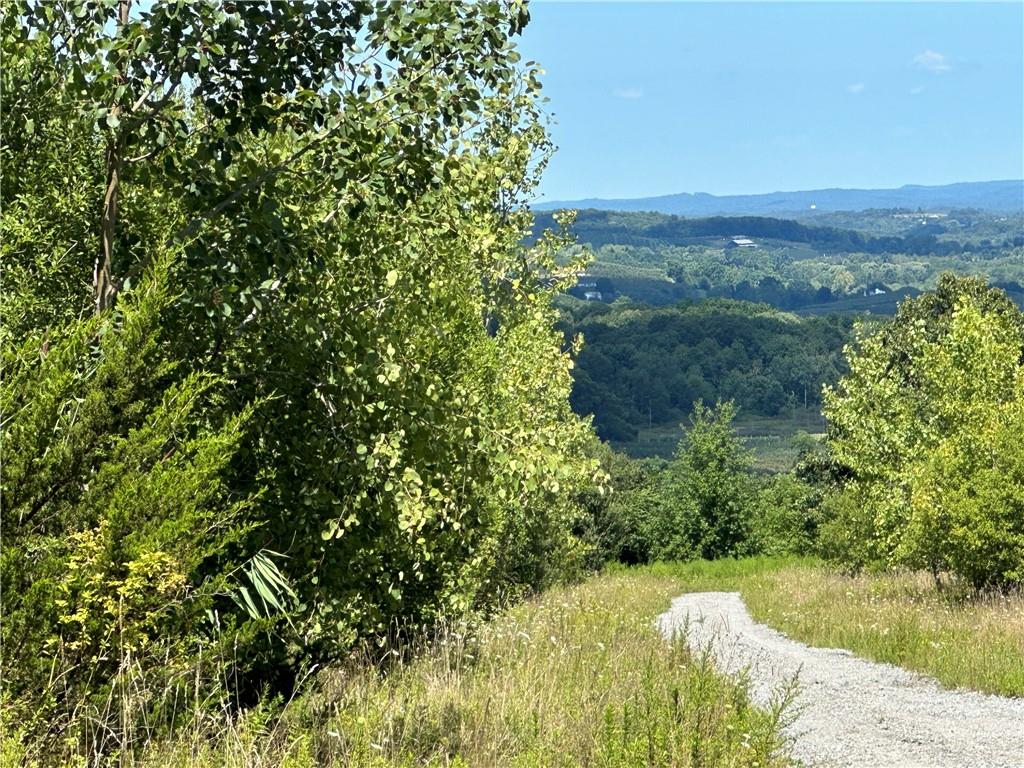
(120,534)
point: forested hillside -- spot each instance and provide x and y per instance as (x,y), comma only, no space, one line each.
(644,366)
(664,310)
(937,237)
(921,465)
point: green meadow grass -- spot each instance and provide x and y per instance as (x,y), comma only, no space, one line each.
(960,638)
(578,676)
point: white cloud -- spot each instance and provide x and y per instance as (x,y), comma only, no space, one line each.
(933,61)
(917,90)
(628,93)
(855,88)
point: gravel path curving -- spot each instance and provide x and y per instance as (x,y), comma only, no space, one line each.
(848,711)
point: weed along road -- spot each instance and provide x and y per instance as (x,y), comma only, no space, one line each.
(848,711)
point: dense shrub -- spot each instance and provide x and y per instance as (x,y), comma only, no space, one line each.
(786,518)
(120,533)
(616,519)
(706,503)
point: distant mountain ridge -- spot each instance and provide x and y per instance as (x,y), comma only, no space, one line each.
(997,196)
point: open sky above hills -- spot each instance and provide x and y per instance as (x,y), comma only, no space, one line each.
(728,98)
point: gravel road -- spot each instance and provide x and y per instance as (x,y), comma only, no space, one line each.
(848,711)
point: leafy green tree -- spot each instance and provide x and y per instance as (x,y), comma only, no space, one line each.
(350,85)
(335,195)
(921,423)
(708,490)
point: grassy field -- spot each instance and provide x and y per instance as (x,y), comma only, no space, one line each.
(578,676)
(961,639)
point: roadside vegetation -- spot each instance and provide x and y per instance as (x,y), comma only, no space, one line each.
(913,499)
(921,467)
(577,676)
(279,376)
(959,637)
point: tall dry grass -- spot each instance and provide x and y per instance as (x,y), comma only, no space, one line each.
(576,677)
(580,677)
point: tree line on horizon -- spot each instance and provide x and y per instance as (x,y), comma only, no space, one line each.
(600,228)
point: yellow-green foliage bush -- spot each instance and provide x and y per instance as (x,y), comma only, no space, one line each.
(928,422)
(118,528)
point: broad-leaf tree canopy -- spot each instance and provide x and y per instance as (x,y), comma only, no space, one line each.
(279,374)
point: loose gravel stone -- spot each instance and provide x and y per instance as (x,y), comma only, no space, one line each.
(848,711)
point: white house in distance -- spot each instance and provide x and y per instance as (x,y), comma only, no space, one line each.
(589,285)
(739,241)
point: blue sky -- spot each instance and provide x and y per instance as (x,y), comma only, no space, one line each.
(730,98)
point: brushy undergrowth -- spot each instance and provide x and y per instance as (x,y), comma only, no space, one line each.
(959,636)
(578,676)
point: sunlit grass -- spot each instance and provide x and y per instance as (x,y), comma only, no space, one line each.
(962,640)
(578,676)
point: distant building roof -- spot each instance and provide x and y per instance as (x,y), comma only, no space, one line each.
(741,242)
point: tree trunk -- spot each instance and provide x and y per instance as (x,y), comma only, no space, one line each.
(104,286)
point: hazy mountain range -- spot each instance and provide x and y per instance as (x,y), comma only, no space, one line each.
(986,195)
